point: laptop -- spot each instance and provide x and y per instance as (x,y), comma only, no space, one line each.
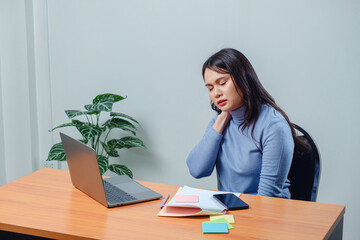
(85,176)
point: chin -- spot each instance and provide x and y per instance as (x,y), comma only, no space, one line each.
(231,109)
(225,109)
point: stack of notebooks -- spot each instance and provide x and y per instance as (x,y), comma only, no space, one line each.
(193,202)
(218,224)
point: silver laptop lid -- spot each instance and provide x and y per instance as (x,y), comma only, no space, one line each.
(84,169)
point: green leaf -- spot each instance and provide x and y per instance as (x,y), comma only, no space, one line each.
(126,142)
(107,107)
(121,170)
(91,113)
(56,153)
(114,114)
(62,125)
(120,123)
(84,141)
(73,113)
(109,150)
(100,97)
(77,123)
(89,130)
(104,104)
(103,163)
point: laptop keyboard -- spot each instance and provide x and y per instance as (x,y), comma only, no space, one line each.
(115,195)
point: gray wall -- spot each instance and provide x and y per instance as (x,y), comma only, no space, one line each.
(306,54)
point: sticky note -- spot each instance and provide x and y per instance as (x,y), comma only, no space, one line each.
(228,217)
(186,198)
(221,220)
(214,228)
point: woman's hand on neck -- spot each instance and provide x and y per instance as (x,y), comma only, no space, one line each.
(221,122)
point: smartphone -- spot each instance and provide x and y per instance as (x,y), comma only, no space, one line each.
(231,201)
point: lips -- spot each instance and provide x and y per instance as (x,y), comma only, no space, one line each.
(221,102)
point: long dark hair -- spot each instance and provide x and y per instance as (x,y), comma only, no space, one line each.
(243,75)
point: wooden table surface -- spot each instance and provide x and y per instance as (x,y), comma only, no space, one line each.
(46,204)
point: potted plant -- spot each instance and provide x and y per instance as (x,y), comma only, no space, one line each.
(95,132)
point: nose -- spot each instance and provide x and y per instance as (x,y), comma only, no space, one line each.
(217,92)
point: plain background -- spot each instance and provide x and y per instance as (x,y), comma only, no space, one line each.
(58,55)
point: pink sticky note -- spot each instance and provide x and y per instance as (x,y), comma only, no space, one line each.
(187,198)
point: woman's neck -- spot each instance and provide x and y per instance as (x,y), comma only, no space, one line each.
(238,115)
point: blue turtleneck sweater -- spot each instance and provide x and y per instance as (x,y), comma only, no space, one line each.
(257,164)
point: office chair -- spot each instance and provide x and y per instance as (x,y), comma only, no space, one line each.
(304,172)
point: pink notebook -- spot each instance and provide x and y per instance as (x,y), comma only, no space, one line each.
(186,198)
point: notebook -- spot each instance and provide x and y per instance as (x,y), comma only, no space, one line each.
(85,176)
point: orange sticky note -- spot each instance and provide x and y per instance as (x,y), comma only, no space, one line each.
(186,198)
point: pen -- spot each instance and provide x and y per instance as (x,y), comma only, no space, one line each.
(165,199)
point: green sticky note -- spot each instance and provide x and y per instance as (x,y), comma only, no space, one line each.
(228,217)
(214,228)
(221,220)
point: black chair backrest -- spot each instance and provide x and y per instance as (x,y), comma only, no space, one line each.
(305,169)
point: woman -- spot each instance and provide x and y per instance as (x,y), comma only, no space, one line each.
(251,140)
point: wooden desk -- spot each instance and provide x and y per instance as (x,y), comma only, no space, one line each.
(46,204)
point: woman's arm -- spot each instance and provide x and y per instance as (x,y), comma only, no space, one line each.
(202,158)
(278,148)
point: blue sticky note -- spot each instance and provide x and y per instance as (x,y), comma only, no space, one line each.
(214,227)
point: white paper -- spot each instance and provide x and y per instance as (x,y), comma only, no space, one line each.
(206,199)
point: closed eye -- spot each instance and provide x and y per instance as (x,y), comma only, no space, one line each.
(209,87)
(223,83)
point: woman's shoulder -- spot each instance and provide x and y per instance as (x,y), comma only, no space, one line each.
(269,117)
(270,114)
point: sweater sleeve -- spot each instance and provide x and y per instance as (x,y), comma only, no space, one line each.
(202,158)
(278,147)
